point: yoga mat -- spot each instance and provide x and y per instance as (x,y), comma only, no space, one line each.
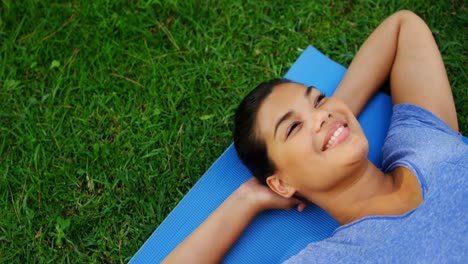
(274,235)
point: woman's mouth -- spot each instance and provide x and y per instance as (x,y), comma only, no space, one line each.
(337,134)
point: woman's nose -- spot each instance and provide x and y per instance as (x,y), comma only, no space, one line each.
(320,118)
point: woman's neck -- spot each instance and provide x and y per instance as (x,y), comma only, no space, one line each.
(371,192)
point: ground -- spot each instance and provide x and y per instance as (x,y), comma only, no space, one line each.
(111,110)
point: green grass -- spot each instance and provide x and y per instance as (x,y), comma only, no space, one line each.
(111,110)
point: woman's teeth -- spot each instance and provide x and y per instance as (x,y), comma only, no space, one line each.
(333,137)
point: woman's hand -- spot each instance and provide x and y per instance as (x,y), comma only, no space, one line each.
(262,198)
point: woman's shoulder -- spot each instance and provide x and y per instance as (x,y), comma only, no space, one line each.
(412,126)
(419,140)
(414,116)
(418,137)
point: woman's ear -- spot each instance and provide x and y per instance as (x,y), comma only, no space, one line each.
(279,186)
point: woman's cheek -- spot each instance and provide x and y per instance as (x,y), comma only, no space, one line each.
(304,147)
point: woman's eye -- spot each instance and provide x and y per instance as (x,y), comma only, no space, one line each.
(319,99)
(291,128)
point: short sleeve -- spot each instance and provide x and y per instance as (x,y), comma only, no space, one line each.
(417,139)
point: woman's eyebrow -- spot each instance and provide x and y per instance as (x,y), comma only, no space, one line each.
(281,120)
(289,113)
(308,90)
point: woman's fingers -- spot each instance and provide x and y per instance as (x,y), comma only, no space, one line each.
(267,199)
(301,206)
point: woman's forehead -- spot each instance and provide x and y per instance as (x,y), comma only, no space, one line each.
(282,99)
(286,93)
(292,89)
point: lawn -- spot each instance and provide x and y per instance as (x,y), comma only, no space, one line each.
(111,110)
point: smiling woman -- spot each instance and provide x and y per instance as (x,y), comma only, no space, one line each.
(299,143)
(297,123)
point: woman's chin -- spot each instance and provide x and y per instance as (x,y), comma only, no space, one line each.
(359,149)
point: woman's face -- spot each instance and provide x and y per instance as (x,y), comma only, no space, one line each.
(315,142)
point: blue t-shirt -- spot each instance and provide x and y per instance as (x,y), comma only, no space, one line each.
(437,230)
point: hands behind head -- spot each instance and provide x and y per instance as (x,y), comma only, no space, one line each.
(263,198)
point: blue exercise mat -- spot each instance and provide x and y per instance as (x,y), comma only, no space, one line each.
(274,235)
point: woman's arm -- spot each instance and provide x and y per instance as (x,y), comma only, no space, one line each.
(401,48)
(418,75)
(215,236)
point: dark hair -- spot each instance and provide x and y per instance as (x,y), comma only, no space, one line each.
(250,148)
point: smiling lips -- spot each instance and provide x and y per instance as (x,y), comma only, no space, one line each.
(336,134)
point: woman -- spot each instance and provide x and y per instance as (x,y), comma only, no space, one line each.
(301,144)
